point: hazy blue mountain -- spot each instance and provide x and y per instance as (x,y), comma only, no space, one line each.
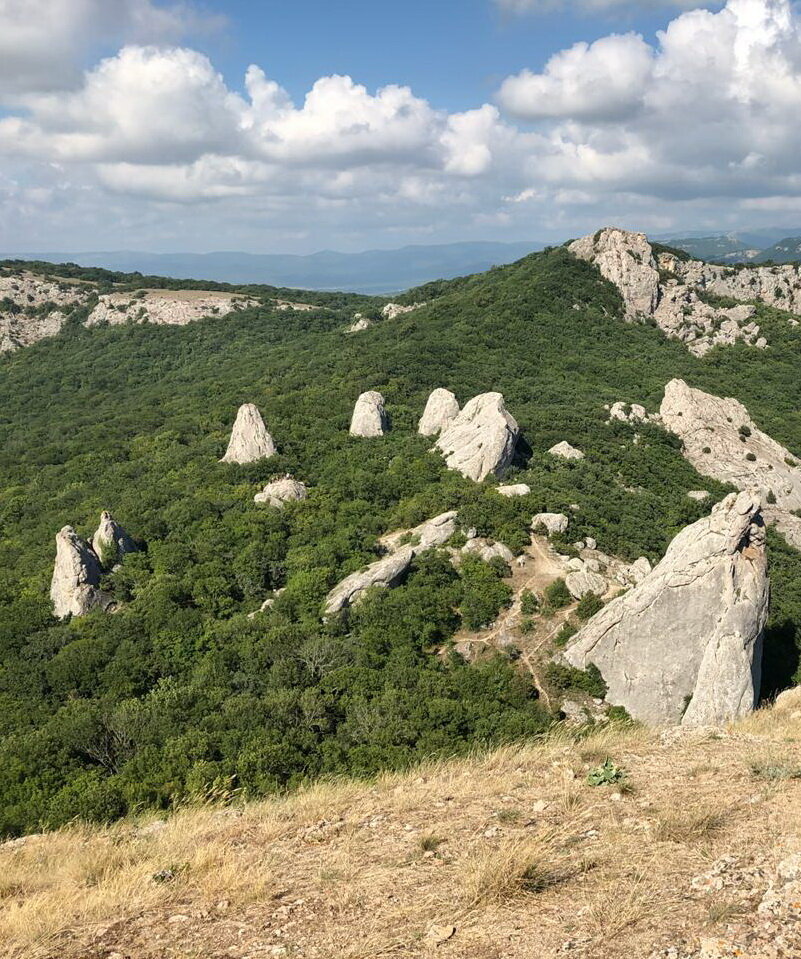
(770,243)
(787,250)
(374,271)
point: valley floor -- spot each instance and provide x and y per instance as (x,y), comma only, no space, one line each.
(695,853)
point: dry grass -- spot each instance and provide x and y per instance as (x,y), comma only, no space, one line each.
(512,848)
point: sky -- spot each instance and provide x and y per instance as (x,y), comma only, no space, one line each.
(280,126)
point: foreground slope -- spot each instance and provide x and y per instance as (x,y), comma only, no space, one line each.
(694,853)
(180,690)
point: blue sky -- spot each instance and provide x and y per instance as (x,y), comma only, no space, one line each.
(292,127)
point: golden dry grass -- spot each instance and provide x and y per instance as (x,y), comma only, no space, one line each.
(511,853)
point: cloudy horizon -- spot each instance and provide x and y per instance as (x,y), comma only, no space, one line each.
(130,124)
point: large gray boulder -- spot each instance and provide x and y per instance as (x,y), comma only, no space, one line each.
(110,542)
(566,452)
(441,410)
(390,570)
(481,439)
(685,645)
(369,415)
(75,587)
(250,440)
(281,491)
(553,523)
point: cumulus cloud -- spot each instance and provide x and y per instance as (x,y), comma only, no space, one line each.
(543,6)
(704,112)
(42,42)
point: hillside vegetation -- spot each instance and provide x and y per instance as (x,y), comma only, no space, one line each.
(180,694)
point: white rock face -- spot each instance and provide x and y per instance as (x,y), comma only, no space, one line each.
(685,645)
(389,571)
(441,410)
(393,310)
(369,416)
(631,414)
(75,587)
(165,307)
(250,440)
(32,308)
(481,439)
(486,550)
(360,323)
(628,260)
(585,581)
(566,452)
(552,522)
(280,491)
(110,542)
(698,494)
(520,489)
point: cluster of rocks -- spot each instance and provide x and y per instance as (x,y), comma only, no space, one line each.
(481,439)
(664,288)
(33,307)
(684,645)
(722,441)
(165,307)
(391,569)
(75,586)
(631,413)
(393,310)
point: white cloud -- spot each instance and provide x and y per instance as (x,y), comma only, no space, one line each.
(153,141)
(42,42)
(543,6)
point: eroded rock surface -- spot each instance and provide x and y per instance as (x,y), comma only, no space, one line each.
(390,570)
(665,289)
(281,491)
(566,452)
(369,415)
(481,439)
(75,587)
(553,523)
(393,310)
(510,492)
(165,307)
(685,645)
(110,542)
(250,440)
(441,410)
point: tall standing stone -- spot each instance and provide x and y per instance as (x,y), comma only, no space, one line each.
(75,587)
(441,410)
(369,415)
(250,440)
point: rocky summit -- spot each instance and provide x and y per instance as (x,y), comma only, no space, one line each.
(684,646)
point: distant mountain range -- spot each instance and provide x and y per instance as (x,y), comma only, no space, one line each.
(373,272)
(760,246)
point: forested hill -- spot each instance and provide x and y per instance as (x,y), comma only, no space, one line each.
(180,692)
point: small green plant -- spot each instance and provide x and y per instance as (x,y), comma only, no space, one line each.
(557,595)
(750,457)
(430,842)
(744,431)
(529,604)
(588,606)
(607,774)
(771,497)
(565,634)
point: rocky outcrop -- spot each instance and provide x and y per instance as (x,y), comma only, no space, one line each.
(165,307)
(665,289)
(390,571)
(584,581)
(487,550)
(552,523)
(631,414)
(566,452)
(32,307)
(441,410)
(369,416)
(510,492)
(359,324)
(281,491)
(393,310)
(685,645)
(75,587)
(110,542)
(250,440)
(481,439)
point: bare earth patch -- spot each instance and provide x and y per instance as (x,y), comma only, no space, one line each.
(510,854)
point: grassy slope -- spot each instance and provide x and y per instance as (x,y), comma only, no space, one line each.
(135,418)
(507,854)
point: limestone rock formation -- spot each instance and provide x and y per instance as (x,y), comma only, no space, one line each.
(250,440)
(165,307)
(584,581)
(75,587)
(390,570)
(487,549)
(566,452)
(520,489)
(393,310)
(359,324)
(553,523)
(481,439)
(628,260)
(280,491)
(441,410)
(699,495)
(631,414)
(685,645)
(369,416)
(110,542)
